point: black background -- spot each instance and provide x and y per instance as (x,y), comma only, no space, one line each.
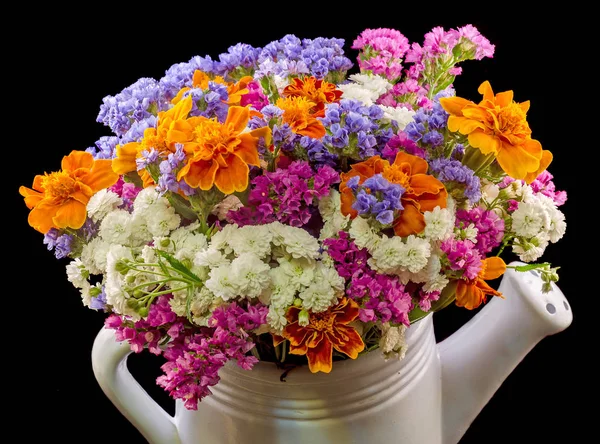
(63,65)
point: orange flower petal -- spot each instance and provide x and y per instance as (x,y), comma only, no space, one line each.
(100,176)
(41,216)
(468,295)
(264,132)
(77,159)
(125,160)
(486,143)
(347,311)
(71,214)
(417,164)
(410,220)
(347,199)
(423,184)
(234,177)
(517,161)
(32,198)
(352,343)
(494,268)
(544,163)
(180,131)
(314,128)
(247,149)
(199,174)
(295,333)
(454,105)
(485,89)
(504,98)
(237,117)
(525,106)
(320,358)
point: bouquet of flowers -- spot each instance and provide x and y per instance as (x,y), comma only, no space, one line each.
(269,206)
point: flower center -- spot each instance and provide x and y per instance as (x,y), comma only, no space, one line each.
(59,184)
(398,174)
(513,120)
(296,111)
(322,321)
(215,139)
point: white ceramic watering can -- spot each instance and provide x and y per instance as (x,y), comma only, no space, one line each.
(430,397)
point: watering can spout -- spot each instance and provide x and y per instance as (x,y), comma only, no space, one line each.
(478,357)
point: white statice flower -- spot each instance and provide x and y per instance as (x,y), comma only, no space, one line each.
(211,257)
(102,203)
(77,273)
(470,233)
(530,250)
(318,297)
(281,291)
(149,255)
(276,318)
(439,223)
(146,199)
(254,239)
(219,240)
(393,342)
(86,295)
(162,220)
(331,277)
(187,243)
(363,234)
(489,190)
(116,227)
(401,115)
(389,255)
(250,275)
(300,272)
(230,203)
(222,283)
(140,232)
(415,254)
(530,219)
(202,306)
(333,219)
(366,88)
(518,190)
(433,279)
(298,243)
(93,255)
(116,295)
(556,226)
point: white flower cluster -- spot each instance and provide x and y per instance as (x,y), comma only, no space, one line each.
(365,88)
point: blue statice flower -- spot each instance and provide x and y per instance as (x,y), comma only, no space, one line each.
(429,125)
(458,178)
(98,302)
(104,147)
(136,103)
(210,102)
(355,130)
(167,180)
(377,197)
(237,56)
(181,75)
(146,158)
(60,243)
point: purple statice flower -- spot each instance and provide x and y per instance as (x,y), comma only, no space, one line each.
(426,298)
(255,96)
(238,57)
(355,130)
(149,332)
(318,155)
(427,126)
(181,75)
(349,260)
(288,195)
(210,102)
(399,142)
(60,243)
(147,158)
(490,227)
(462,255)
(194,360)
(135,103)
(544,184)
(383,299)
(99,302)
(137,130)
(458,179)
(167,180)
(378,198)
(105,147)
(381,51)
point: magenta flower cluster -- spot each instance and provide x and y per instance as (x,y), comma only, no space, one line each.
(382,51)
(380,296)
(462,256)
(286,195)
(490,227)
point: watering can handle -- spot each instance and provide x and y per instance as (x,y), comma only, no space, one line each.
(109,361)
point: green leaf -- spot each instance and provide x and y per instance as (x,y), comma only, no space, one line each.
(177,265)
(182,206)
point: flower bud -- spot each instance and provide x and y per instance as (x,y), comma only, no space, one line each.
(303,318)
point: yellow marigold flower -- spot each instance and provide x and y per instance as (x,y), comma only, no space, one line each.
(219,153)
(498,125)
(297,114)
(154,138)
(59,199)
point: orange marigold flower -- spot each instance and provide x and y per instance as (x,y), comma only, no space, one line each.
(234,90)
(297,114)
(218,153)
(471,293)
(315,90)
(154,138)
(498,126)
(324,332)
(59,199)
(423,192)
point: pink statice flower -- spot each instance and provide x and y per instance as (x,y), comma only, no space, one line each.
(490,227)
(255,96)
(462,255)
